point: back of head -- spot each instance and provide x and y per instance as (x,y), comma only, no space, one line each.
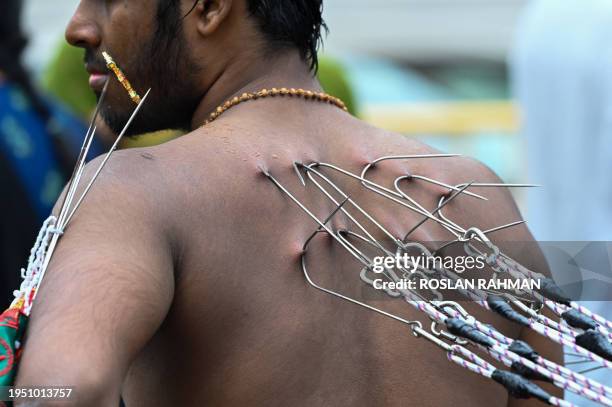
(284,24)
(296,23)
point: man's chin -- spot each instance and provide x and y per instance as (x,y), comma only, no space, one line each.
(154,116)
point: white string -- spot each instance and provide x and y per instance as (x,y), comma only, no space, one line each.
(31,274)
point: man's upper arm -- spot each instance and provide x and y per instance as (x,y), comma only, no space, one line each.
(107,289)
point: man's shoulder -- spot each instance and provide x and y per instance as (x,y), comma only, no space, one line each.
(125,182)
(454,166)
(458,170)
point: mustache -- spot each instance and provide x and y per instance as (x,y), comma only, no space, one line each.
(95,61)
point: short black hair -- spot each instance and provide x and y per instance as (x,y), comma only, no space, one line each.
(284,23)
(297,23)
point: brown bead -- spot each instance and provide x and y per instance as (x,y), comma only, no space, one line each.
(306,94)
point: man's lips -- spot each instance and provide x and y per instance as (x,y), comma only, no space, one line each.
(97,80)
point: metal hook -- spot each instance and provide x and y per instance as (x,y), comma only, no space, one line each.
(371,165)
(382,191)
(296,166)
(455,195)
(329,217)
(351,300)
(450,187)
(310,170)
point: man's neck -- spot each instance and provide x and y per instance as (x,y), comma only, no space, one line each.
(285,71)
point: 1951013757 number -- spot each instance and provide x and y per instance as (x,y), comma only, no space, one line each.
(49,393)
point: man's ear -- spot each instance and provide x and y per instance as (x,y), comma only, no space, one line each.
(211,13)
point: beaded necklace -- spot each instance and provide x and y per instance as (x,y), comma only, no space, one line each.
(283,92)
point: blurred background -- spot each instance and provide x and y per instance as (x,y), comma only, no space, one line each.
(435,69)
(521,85)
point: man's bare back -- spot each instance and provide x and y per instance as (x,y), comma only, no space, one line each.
(179,280)
(238,323)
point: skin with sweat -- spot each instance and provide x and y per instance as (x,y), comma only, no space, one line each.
(178,282)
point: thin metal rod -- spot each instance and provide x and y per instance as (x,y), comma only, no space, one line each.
(364,260)
(591,369)
(388,272)
(455,194)
(509,225)
(500,185)
(77,170)
(445,219)
(106,158)
(400,157)
(363,212)
(312,215)
(351,300)
(73,188)
(445,185)
(296,167)
(579,362)
(408,157)
(353,247)
(55,238)
(407,197)
(331,215)
(489,185)
(397,198)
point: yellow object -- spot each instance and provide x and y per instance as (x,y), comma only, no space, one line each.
(445,118)
(121,77)
(150,139)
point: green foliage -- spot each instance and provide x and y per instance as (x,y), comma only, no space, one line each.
(334,80)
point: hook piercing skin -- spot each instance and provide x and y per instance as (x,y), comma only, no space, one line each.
(468,336)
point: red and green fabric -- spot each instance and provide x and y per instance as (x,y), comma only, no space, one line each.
(12,327)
